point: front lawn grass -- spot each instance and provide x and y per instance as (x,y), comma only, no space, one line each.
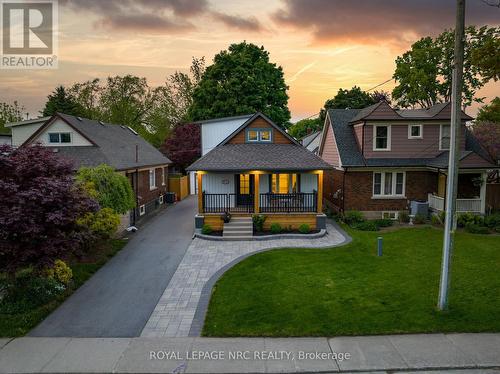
(13,325)
(350,291)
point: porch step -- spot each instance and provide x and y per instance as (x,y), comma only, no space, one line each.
(239,228)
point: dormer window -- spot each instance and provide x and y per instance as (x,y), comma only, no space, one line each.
(415,132)
(259,135)
(382,138)
(59,137)
(444,137)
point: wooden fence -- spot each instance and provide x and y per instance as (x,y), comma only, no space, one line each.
(493,196)
(179,185)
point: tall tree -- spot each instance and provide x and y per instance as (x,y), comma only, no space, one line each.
(88,96)
(488,135)
(39,208)
(490,112)
(305,126)
(241,80)
(60,100)
(423,74)
(486,56)
(355,98)
(10,113)
(183,147)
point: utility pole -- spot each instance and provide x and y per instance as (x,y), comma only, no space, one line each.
(455,130)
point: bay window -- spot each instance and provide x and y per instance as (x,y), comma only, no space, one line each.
(389,184)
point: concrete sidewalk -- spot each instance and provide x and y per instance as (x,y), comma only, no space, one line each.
(459,353)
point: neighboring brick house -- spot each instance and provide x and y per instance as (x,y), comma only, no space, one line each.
(90,143)
(384,158)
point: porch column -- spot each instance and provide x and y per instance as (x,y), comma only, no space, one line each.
(256,194)
(200,192)
(320,191)
(482,194)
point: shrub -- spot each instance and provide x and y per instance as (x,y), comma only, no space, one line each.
(276,228)
(29,292)
(435,220)
(497,229)
(384,222)
(404,217)
(419,219)
(366,226)
(304,228)
(352,217)
(442,216)
(476,229)
(103,223)
(206,229)
(465,218)
(258,222)
(492,220)
(60,272)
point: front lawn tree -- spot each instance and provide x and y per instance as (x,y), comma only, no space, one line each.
(39,209)
(110,189)
(242,80)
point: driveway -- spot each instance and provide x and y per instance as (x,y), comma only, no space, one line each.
(119,299)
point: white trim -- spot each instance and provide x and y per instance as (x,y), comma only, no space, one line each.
(162,176)
(441,137)
(393,194)
(396,214)
(142,210)
(160,199)
(374,142)
(421,131)
(482,193)
(60,133)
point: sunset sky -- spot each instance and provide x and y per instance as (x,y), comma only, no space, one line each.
(322,45)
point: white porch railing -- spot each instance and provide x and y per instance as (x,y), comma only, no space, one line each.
(463,205)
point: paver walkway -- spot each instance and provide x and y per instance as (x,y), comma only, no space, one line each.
(176,314)
(119,298)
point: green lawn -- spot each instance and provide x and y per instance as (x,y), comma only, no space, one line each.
(350,291)
(12,325)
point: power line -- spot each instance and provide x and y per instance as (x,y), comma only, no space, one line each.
(381,84)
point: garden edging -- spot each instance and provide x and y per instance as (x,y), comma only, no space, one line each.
(315,235)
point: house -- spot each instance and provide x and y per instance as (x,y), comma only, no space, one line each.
(5,139)
(91,143)
(384,158)
(257,168)
(311,141)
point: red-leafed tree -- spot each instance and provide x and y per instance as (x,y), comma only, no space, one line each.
(488,134)
(183,146)
(39,208)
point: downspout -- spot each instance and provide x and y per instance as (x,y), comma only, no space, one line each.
(136,184)
(343,189)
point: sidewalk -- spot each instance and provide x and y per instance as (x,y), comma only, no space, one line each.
(479,353)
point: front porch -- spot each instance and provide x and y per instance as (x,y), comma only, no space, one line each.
(471,193)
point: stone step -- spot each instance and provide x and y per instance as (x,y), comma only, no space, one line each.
(238,227)
(238,224)
(234,238)
(241,219)
(238,233)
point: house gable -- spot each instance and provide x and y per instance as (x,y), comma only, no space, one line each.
(329,150)
(261,122)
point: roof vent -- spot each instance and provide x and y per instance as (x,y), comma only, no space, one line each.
(79,119)
(132,130)
(101,123)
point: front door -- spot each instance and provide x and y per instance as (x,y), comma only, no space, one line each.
(244,189)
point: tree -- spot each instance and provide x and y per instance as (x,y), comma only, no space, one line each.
(10,113)
(487,58)
(112,190)
(488,135)
(355,98)
(305,126)
(183,147)
(88,95)
(241,80)
(60,100)
(39,208)
(491,112)
(423,74)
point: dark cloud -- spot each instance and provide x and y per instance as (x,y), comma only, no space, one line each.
(369,20)
(239,23)
(142,15)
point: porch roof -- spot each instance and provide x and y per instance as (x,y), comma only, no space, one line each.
(267,157)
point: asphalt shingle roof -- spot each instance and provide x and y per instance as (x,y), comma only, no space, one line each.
(236,157)
(306,140)
(115,146)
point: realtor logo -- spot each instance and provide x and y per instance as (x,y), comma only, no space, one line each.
(28,34)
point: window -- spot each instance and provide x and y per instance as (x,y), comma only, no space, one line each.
(142,210)
(259,135)
(152,179)
(389,184)
(244,184)
(284,183)
(382,138)
(415,132)
(390,215)
(59,137)
(444,137)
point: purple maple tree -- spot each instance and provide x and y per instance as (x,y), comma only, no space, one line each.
(488,134)
(39,206)
(183,146)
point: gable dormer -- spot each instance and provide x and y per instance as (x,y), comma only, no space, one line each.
(259,129)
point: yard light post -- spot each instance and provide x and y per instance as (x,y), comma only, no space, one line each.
(451,188)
